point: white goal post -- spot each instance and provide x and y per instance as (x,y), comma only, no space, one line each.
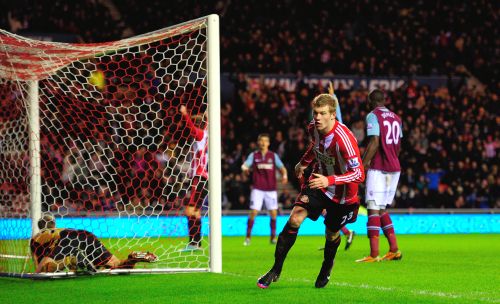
(93,135)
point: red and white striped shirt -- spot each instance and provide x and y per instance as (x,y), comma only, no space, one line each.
(337,157)
(199,164)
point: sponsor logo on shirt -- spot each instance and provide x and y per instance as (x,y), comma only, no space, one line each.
(324,158)
(265,166)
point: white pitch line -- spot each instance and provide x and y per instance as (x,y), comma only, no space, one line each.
(439,294)
(10,256)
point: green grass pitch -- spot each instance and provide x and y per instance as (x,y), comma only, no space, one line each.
(434,269)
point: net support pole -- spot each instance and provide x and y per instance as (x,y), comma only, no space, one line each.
(214,144)
(34,154)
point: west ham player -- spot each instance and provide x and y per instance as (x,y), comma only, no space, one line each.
(199,175)
(263,164)
(333,186)
(56,249)
(384,129)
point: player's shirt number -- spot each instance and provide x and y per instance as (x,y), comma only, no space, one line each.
(393,132)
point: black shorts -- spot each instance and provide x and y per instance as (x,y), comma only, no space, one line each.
(337,215)
(199,191)
(81,243)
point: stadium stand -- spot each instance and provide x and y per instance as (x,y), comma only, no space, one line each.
(450,151)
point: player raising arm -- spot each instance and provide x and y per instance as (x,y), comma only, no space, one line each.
(199,175)
(333,186)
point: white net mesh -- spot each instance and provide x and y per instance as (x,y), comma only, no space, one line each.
(118,159)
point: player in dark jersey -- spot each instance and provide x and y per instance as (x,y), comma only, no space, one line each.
(56,249)
(263,164)
(199,177)
(384,129)
(333,186)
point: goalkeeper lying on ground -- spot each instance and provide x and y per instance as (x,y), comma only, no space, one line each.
(57,249)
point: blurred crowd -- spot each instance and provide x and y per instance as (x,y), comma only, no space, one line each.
(451,137)
(321,37)
(90,21)
(449,152)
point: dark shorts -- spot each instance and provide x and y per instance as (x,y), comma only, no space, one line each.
(337,215)
(81,243)
(199,191)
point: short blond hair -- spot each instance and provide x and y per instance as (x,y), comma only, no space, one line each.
(325,100)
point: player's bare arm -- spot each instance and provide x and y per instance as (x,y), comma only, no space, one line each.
(331,91)
(245,170)
(284,176)
(370,150)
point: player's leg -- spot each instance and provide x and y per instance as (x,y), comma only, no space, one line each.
(190,213)
(388,229)
(271,201)
(307,205)
(336,217)
(374,196)
(133,258)
(93,255)
(193,212)
(349,236)
(273,215)
(197,228)
(251,220)
(332,243)
(386,222)
(286,239)
(194,226)
(256,200)
(373,229)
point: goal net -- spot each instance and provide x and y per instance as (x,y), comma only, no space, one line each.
(93,135)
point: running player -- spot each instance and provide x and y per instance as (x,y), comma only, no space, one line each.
(333,186)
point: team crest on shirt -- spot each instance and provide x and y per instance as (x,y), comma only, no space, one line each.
(304,199)
(353,163)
